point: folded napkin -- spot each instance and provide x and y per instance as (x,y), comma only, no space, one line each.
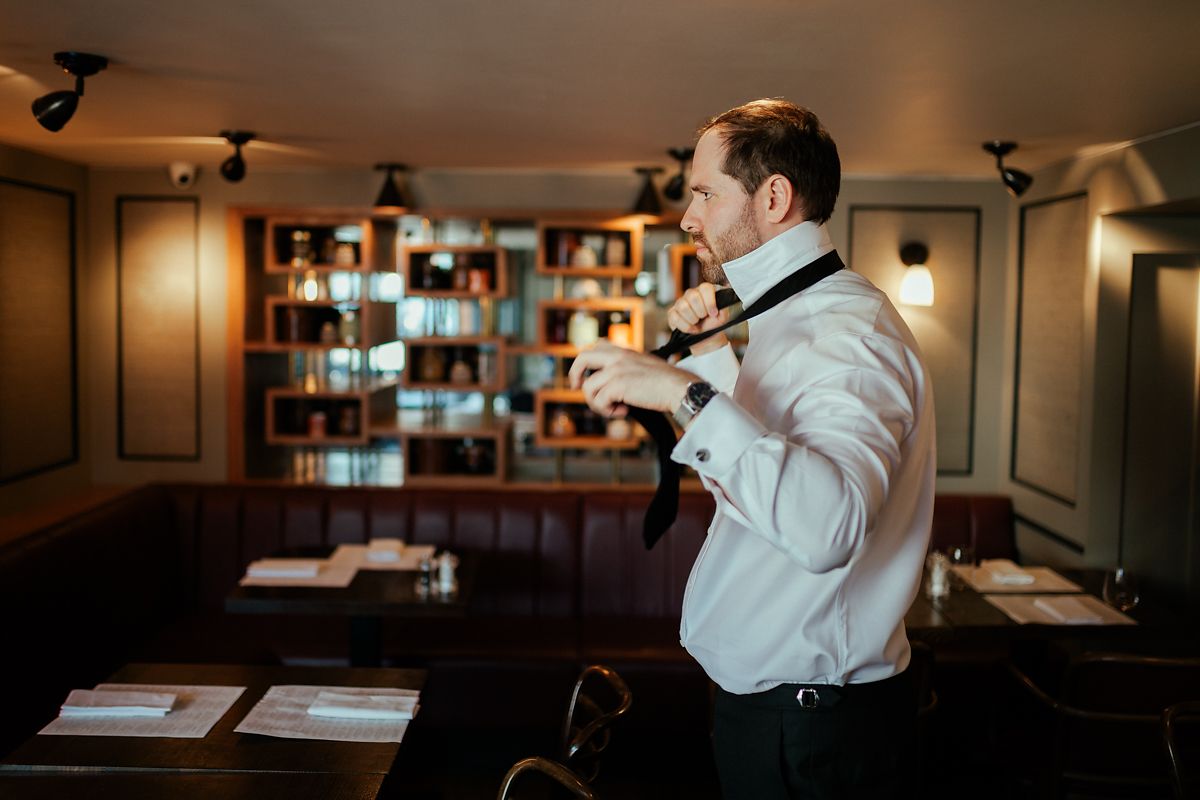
(385,551)
(363,706)
(284,568)
(1005,572)
(1066,610)
(109,703)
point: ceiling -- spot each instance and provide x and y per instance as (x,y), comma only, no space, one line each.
(906,89)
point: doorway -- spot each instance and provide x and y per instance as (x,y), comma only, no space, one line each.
(1160,525)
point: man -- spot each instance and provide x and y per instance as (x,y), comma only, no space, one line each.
(819,450)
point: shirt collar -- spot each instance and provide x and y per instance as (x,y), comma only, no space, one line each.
(754,273)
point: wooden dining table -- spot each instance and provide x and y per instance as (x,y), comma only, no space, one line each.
(372,596)
(224,763)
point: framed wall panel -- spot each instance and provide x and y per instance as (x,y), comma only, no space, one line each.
(38,386)
(158,336)
(947,331)
(1052,264)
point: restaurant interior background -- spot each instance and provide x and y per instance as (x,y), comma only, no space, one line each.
(1063,335)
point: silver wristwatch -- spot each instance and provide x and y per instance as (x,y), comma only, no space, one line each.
(695,398)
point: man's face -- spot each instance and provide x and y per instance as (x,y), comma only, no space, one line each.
(721,217)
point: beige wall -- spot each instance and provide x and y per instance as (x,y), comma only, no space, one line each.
(1162,169)
(21,165)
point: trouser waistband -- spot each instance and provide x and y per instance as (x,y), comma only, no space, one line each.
(820,695)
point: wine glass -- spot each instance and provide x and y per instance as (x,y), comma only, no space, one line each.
(1120,589)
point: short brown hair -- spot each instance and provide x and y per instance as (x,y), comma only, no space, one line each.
(768,137)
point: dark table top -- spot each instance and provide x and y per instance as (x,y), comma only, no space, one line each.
(223,749)
(372,593)
(967,615)
(188,786)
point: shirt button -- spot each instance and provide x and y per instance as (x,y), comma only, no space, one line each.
(702,455)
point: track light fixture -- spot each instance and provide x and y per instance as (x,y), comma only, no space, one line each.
(391,199)
(54,110)
(1016,180)
(233,169)
(648,202)
(673,191)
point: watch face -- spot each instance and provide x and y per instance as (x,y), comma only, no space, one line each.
(699,393)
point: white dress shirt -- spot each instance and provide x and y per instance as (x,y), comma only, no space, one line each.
(820,453)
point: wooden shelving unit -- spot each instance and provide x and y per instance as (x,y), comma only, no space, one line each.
(553,314)
(282,254)
(465,272)
(548,402)
(347,413)
(685,267)
(483,355)
(616,248)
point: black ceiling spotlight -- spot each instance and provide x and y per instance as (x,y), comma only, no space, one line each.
(647,202)
(54,110)
(673,191)
(1016,180)
(391,199)
(233,169)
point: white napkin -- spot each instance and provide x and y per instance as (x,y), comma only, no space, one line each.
(284,568)
(108,703)
(363,706)
(1066,610)
(385,551)
(1005,572)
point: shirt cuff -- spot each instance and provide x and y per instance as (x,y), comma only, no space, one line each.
(717,437)
(719,367)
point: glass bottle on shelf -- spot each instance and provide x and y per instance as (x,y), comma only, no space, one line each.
(348,329)
(433,365)
(561,424)
(615,250)
(460,370)
(301,248)
(584,329)
(328,250)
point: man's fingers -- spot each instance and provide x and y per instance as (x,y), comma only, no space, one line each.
(708,293)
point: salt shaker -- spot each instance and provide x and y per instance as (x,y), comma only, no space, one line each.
(447,584)
(937,576)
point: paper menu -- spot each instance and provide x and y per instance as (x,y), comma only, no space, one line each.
(197,709)
(1025,609)
(283,712)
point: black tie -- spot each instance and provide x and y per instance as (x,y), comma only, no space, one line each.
(664,506)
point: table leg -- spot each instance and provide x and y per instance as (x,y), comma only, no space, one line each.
(366,642)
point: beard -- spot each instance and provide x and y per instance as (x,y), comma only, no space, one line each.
(734,242)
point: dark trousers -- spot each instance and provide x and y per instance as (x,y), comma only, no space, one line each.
(854,744)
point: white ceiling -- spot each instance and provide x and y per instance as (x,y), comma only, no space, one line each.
(906,88)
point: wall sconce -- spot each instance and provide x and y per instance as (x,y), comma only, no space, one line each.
(1016,180)
(647,203)
(233,169)
(673,191)
(54,110)
(916,287)
(391,199)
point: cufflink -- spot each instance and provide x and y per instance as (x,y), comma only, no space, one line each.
(702,455)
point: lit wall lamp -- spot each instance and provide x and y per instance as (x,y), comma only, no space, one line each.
(54,110)
(233,169)
(673,191)
(648,203)
(391,199)
(1016,180)
(916,287)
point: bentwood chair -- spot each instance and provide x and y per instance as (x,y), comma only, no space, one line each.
(1106,734)
(521,772)
(1181,735)
(599,699)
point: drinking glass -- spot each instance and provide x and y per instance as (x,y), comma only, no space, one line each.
(1120,589)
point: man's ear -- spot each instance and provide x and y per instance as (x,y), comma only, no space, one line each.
(779,198)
